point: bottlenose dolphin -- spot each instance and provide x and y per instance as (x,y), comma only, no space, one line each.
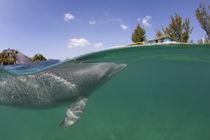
(59,85)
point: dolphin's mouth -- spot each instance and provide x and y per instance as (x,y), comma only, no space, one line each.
(117,69)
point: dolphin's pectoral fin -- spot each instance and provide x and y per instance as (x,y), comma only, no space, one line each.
(74,112)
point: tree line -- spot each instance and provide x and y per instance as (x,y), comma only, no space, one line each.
(9,60)
(6,60)
(179,29)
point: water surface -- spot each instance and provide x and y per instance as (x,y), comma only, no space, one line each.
(163,94)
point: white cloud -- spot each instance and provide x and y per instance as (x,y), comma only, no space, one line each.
(92,22)
(146,20)
(68,17)
(81,42)
(124,27)
(138,19)
(97,45)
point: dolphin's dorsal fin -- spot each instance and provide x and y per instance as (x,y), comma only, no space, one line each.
(74,112)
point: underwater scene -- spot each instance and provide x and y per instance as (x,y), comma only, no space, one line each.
(162,94)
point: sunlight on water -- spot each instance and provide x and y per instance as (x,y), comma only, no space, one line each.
(163,94)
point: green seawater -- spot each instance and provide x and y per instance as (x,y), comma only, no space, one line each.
(163,94)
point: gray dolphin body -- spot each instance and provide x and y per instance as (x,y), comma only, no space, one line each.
(60,85)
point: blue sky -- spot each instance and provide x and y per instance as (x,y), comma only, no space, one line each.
(61,29)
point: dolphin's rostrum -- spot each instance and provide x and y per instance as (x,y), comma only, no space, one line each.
(59,85)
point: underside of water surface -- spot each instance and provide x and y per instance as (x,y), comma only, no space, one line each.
(163,94)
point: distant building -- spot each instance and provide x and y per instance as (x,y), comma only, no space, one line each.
(161,40)
(13,56)
(9,51)
(7,56)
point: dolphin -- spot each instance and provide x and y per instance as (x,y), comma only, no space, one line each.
(59,85)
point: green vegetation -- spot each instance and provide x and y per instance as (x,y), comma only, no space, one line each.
(204,18)
(176,29)
(159,33)
(139,34)
(9,59)
(38,57)
(137,43)
(6,60)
